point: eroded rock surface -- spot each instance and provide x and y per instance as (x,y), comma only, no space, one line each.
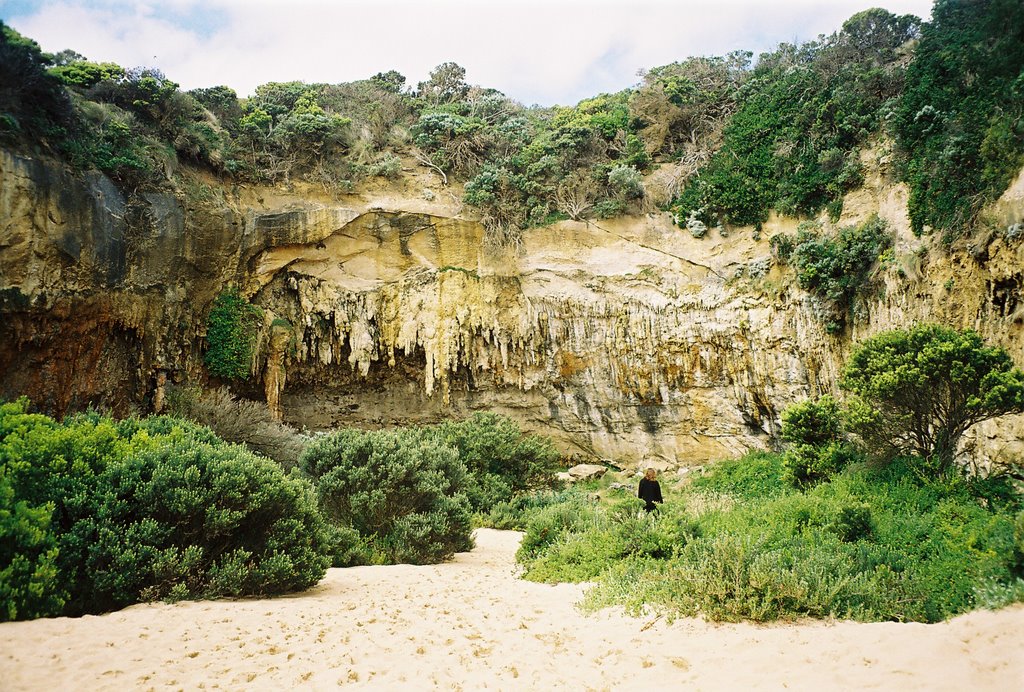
(623,339)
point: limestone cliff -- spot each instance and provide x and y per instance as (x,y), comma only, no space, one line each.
(625,339)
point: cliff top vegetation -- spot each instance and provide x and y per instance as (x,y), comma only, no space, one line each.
(739,137)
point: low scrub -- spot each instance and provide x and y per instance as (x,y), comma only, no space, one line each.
(502,460)
(98,514)
(240,421)
(741,542)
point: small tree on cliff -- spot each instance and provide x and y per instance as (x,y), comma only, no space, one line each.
(918,391)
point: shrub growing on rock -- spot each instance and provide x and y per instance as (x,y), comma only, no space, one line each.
(402,491)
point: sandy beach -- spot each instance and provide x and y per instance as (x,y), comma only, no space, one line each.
(471,624)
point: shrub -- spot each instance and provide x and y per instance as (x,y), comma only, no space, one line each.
(551,523)
(807,465)
(836,268)
(501,459)
(84,74)
(192,520)
(756,474)
(516,513)
(31,100)
(817,447)
(29,586)
(812,422)
(957,121)
(626,181)
(869,545)
(144,509)
(240,421)
(799,120)
(403,492)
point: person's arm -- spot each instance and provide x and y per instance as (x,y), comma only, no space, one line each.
(657,488)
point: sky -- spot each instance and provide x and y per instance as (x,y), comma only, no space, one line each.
(546,53)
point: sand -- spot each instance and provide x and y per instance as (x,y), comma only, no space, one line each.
(471,624)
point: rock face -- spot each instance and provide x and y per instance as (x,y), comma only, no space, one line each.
(623,339)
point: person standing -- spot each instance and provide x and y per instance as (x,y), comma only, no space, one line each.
(649,490)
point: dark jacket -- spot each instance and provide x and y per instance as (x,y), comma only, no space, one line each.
(649,492)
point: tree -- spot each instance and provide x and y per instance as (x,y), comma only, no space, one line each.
(447,83)
(32,101)
(918,391)
(392,81)
(84,74)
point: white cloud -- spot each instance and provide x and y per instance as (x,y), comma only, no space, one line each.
(535,52)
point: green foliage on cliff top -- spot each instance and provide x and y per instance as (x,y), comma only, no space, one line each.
(783,135)
(960,120)
(802,116)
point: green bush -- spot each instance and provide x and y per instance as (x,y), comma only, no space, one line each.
(958,122)
(800,120)
(836,269)
(559,548)
(402,492)
(868,545)
(807,465)
(515,514)
(812,422)
(552,522)
(817,448)
(190,519)
(145,509)
(501,459)
(29,586)
(230,336)
(754,475)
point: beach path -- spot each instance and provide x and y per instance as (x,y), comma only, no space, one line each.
(471,624)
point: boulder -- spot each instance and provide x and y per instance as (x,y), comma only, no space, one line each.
(585,472)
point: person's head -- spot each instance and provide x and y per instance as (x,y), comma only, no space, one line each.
(649,474)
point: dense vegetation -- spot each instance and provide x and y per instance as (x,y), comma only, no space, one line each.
(960,120)
(409,495)
(97,514)
(834,267)
(802,116)
(785,133)
(231,331)
(917,391)
(742,543)
(817,531)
